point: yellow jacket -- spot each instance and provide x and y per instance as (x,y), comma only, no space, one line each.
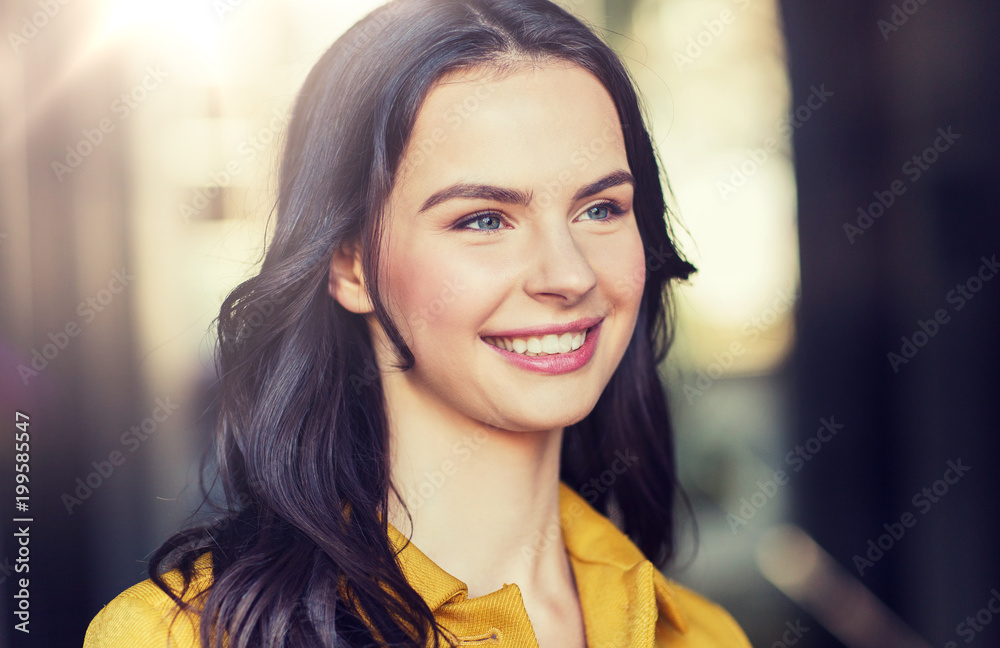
(626,601)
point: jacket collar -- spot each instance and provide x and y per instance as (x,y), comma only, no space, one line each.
(607,565)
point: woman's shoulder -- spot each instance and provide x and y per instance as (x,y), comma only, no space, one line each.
(706,623)
(144,616)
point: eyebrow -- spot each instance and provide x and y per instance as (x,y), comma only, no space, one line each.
(515,197)
(613,179)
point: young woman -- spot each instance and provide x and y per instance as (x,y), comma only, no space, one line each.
(444,379)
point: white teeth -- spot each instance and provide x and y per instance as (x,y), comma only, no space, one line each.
(541,345)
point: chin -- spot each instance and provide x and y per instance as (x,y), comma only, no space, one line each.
(543,418)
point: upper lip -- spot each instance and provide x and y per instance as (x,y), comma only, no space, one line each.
(548,329)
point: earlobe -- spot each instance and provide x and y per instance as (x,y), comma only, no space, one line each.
(346,281)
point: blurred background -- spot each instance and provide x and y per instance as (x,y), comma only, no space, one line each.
(833,378)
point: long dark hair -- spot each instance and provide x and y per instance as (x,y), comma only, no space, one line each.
(301,444)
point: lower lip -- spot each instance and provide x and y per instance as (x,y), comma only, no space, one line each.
(556,363)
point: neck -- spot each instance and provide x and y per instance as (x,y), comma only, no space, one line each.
(484,501)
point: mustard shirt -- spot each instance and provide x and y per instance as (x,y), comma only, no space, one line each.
(626,602)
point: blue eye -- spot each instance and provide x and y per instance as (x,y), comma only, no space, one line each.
(599,212)
(490,221)
(604,211)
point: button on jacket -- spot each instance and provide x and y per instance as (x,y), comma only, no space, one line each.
(626,602)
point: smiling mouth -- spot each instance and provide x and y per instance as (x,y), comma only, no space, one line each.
(541,345)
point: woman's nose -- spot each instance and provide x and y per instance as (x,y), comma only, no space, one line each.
(560,267)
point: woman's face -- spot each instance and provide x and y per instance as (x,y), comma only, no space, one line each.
(513,210)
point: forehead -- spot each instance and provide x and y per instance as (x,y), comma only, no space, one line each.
(522,129)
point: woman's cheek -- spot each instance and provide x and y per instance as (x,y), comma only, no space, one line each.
(430,293)
(404,293)
(630,270)
(629,288)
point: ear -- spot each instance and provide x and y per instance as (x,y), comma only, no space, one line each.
(347,282)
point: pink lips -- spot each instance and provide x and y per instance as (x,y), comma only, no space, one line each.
(551,329)
(556,363)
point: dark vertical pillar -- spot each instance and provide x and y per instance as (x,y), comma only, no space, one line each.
(897,218)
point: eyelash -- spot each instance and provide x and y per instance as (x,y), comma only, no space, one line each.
(615,211)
